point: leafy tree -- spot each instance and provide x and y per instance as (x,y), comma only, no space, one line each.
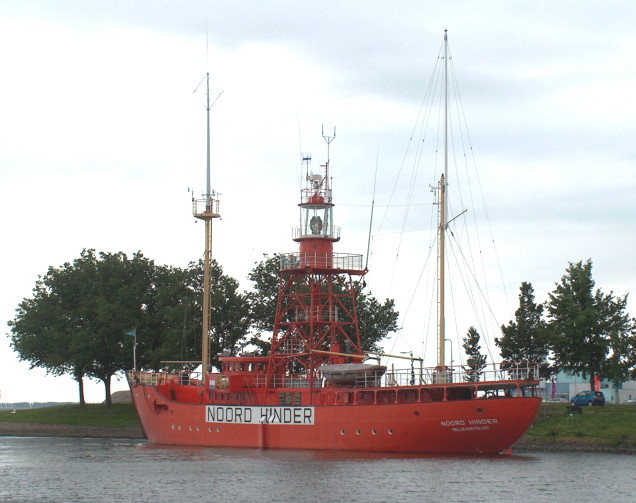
(230,318)
(476,362)
(376,320)
(586,326)
(114,301)
(77,319)
(44,327)
(621,364)
(170,328)
(525,339)
(264,297)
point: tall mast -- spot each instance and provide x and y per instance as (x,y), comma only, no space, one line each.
(206,209)
(441,361)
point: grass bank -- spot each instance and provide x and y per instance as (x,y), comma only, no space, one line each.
(608,427)
(120,415)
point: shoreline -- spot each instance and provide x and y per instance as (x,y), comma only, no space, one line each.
(11,429)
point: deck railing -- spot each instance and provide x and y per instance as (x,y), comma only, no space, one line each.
(393,378)
(343,261)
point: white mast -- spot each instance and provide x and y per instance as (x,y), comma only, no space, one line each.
(443,216)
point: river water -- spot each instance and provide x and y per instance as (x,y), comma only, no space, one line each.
(106,470)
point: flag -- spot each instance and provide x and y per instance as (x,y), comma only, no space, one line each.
(597,384)
(553,390)
(132,332)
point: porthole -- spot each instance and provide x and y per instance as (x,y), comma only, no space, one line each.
(417,413)
(179,427)
(357,432)
(173,426)
(210,429)
(390,431)
(342,432)
(218,430)
(198,429)
(190,428)
(373,431)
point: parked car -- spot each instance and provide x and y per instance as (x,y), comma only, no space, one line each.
(588,398)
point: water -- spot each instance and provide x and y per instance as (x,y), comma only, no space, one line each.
(106,470)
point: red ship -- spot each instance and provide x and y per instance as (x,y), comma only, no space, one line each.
(316,389)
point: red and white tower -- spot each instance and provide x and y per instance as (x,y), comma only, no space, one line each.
(316,320)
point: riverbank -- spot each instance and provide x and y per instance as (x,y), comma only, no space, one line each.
(65,430)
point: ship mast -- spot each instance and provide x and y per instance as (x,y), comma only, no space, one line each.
(206,209)
(441,362)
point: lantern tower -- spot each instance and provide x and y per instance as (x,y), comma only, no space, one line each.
(316,320)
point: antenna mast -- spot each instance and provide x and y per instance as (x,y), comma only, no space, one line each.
(441,360)
(206,209)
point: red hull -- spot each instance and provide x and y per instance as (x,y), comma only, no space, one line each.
(476,426)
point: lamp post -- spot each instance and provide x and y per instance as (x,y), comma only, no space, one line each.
(133,332)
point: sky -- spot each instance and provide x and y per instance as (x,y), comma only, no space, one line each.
(102,136)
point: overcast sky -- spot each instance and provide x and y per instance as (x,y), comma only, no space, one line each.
(101,136)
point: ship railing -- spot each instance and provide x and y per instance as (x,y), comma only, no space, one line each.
(307,231)
(339,261)
(205,208)
(322,313)
(285,382)
(157,378)
(506,371)
(148,378)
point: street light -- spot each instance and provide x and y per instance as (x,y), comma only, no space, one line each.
(133,332)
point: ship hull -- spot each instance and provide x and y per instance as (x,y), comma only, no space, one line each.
(478,426)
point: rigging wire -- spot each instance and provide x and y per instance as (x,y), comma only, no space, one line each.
(463,160)
(375,179)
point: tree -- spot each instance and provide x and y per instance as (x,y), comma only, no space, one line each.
(230,317)
(621,364)
(77,320)
(525,339)
(587,327)
(476,362)
(44,327)
(114,300)
(376,320)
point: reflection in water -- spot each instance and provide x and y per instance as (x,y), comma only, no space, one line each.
(96,470)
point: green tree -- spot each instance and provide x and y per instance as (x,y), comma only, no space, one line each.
(76,321)
(476,362)
(115,300)
(230,317)
(525,339)
(588,328)
(45,325)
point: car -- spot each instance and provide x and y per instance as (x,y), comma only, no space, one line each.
(588,398)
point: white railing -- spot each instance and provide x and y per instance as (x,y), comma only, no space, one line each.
(462,374)
(340,261)
(305,231)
